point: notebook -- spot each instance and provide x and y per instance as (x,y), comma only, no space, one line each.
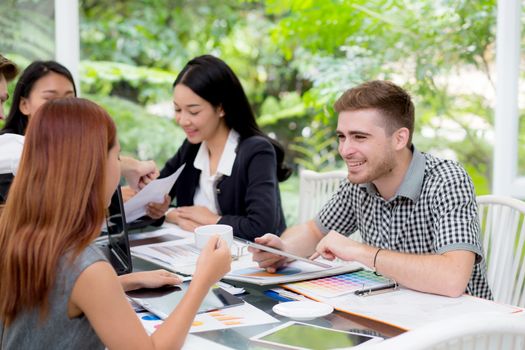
(116,247)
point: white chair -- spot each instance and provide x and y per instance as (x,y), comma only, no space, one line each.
(485,331)
(503,235)
(315,189)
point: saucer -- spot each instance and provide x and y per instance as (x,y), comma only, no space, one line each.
(302,310)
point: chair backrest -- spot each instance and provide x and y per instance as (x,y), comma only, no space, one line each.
(315,189)
(503,236)
(480,331)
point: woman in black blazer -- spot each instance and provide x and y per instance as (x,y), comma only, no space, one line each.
(232,168)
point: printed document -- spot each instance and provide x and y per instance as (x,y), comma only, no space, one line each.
(409,309)
(135,207)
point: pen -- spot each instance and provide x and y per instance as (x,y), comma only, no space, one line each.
(276,296)
(285,294)
(376,290)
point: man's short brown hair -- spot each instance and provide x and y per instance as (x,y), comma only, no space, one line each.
(7,68)
(390,100)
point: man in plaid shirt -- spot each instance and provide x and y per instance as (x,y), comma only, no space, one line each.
(416,213)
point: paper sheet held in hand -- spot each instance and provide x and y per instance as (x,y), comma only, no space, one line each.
(136,206)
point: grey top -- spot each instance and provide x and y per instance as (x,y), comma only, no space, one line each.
(434,211)
(57,331)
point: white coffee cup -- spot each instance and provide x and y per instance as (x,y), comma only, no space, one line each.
(203,234)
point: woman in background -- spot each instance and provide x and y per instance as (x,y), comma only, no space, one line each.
(40,82)
(232,168)
(58,290)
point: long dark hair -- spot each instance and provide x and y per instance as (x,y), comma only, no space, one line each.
(213,80)
(16,121)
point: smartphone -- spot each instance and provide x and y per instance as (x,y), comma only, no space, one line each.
(304,336)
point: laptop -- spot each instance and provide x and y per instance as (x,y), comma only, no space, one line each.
(116,247)
(162,301)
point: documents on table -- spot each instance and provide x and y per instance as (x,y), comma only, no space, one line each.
(237,316)
(197,343)
(181,255)
(178,254)
(408,309)
(192,342)
(158,236)
(136,206)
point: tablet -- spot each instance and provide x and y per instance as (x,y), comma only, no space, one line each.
(162,301)
(283,253)
(303,336)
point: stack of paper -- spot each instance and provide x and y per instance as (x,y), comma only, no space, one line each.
(408,309)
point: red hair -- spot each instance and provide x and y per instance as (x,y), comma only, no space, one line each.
(56,203)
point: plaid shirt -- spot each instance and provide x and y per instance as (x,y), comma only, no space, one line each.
(434,211)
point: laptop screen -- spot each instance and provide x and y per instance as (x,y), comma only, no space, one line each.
(118,251)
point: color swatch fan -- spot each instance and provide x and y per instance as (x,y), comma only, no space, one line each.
(339,285)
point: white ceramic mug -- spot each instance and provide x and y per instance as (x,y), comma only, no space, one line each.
(203,234)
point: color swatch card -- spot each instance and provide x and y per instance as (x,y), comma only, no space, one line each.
(334,286)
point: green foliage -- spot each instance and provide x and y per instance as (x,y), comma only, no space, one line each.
(139,84)
(290,199)
(141,134)
(156,33)
(420,45)
(521,145)
(26,27)
(294,58)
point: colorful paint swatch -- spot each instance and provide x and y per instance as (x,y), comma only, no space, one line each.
(339,285)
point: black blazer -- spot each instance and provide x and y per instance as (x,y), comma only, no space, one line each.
(249,200)
(5,183)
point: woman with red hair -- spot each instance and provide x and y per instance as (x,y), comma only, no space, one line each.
(58,290)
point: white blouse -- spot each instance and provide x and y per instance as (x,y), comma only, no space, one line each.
(11,146)
(205,193)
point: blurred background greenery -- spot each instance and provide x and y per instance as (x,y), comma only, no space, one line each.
(294,58)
